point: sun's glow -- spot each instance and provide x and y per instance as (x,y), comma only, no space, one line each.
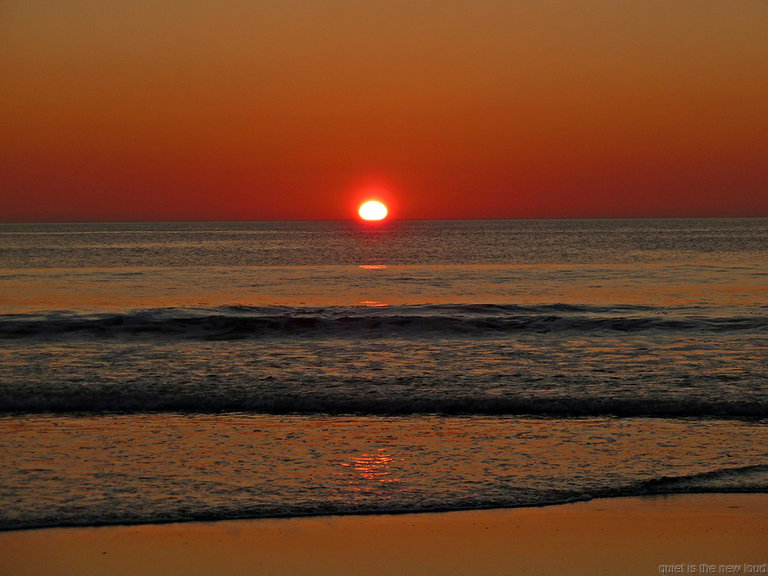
(373,210)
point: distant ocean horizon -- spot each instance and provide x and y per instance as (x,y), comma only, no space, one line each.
(158,372)
(385,222)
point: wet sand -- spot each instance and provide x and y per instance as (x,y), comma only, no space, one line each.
(627,536)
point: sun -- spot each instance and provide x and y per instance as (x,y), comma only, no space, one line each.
(373,210)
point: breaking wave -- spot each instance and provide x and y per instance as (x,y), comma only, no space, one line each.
(93,399)
(741,479)
(427,321)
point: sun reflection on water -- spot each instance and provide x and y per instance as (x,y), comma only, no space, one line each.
(372,304)
(372,467)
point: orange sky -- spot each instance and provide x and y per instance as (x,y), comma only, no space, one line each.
(248,110)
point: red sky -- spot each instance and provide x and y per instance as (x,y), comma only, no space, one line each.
(248,110)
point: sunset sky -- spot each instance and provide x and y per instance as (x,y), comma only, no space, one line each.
(251,110)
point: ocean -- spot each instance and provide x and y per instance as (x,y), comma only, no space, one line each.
(163,372)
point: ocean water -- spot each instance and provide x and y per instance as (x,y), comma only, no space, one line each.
(164,372)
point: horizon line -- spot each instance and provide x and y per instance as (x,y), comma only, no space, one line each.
(371,223)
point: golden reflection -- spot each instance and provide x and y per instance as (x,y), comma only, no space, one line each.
(373,467)
(372,266)
(372,303)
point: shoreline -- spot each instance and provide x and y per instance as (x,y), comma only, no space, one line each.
(334,515)
(371,514)
(624,535)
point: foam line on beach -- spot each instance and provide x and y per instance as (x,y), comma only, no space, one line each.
(738,480)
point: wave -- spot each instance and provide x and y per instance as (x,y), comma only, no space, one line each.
(239,322)
(127,400)
(741,480)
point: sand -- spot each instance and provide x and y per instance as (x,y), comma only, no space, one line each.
(623,536)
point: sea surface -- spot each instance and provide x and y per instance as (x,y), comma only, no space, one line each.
(156,372)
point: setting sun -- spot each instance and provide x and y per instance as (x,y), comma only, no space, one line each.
(373,210)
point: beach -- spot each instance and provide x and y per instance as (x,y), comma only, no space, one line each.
(375,387)
(629,536)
